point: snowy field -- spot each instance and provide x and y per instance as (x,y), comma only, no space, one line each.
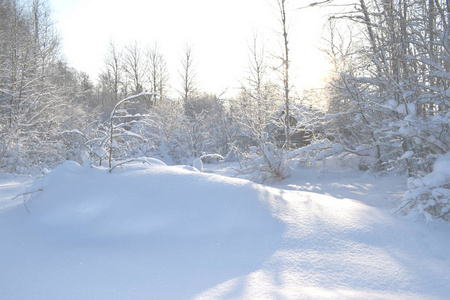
(171,232)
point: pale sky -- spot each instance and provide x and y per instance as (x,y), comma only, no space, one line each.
(218,31)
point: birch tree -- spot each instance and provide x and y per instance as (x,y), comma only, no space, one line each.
(111,77)
(189,85)
(158,75)
(285,71)
(135,66)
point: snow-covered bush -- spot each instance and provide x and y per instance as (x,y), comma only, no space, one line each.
(413,143)
(212,158)
(389,88)
(175,137)
(88,145)
(326,154)
(429,196)
(265,162)
(124,136)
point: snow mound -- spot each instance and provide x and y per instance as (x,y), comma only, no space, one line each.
(141,232)
(148,201)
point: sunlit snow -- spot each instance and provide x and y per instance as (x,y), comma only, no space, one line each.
(171,232)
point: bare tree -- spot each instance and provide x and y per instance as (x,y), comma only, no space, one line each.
(135,65)
(158,75)
(111,75)
(189,88)
(285,72)
(255,112)
(257,102)
(45,39)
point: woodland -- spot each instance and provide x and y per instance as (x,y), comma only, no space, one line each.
(384,109)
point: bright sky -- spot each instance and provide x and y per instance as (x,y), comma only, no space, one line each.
(218,31)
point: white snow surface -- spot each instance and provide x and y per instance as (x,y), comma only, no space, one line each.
(171,232)
(441,172)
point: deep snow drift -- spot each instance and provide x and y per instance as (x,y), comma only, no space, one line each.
(159,232)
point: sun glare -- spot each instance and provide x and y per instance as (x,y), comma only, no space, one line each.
(311,70)
(219,34)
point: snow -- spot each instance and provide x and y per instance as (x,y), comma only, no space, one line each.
(429,196)
(447,93)
(11,189)
(101,152)
(442,167)
(441,172)
(151,231)
(407,154)
(198,164)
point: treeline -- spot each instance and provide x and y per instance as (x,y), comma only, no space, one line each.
(51,112)
(40,96)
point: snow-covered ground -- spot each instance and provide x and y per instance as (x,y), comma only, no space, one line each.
(160,232)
